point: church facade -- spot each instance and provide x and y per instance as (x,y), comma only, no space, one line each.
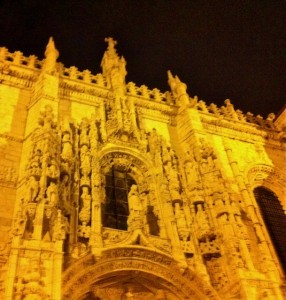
(111,190)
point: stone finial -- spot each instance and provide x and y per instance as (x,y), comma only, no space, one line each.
(171,81)
(179,90)
(51,55)
(111,44)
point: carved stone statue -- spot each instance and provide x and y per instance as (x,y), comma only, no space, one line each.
(67,152)
(84,214)
(32,189)
(53,194)
(85,160)
(135,204)
(136,209)
(181,222)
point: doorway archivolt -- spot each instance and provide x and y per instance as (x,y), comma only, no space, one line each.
(132,272)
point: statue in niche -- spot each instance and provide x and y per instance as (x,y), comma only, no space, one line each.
(207,152)
(181,222)
(143,141)
(136,209)
(154,143)
(35,163)
(191,171)
(84,214)
(202,219)
(93,136)
(64,188)
(52,194)
(32,189)
(135,204)
(85,160)
(174,184)
(67,152)
(152,221)
(47,116)
(53,170)
(60,227)
(84,140)
(166,156)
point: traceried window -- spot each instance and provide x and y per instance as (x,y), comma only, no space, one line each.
(115,210)
(274,219)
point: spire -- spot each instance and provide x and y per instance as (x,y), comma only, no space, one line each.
(171,81)
(51,55)
(113,66)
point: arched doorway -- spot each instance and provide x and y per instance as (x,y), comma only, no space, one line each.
(275,220)
(133,272)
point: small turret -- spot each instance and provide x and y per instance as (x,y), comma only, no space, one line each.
(51,55)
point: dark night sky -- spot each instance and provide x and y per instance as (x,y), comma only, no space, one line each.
(222,49)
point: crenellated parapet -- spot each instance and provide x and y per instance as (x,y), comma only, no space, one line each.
(228,112)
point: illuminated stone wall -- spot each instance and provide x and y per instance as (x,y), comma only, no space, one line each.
(114,191)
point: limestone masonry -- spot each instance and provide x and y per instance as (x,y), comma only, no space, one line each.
(113,191)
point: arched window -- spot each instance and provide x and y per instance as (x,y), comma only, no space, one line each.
(274,219)
(115,210)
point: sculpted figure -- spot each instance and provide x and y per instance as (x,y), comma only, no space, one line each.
(174,184)
(83,135)
(84,214)
(64,188)
(47,116)
(32,189)
(154,142)
(52,194)
(181,222)
(35,162)
(85,160)
(202,219)
(53,170)
(135,204)
(60,227)
(67,147)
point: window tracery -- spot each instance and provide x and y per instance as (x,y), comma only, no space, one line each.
(115,210)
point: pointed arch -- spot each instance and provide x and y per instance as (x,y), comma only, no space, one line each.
(269,177)
(123,167)
(275,220)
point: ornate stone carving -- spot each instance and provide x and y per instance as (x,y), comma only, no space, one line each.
(84,214)
(179,90)
(183,230)
(51,54)
(136,212)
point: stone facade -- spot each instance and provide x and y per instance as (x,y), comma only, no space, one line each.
(114,191)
